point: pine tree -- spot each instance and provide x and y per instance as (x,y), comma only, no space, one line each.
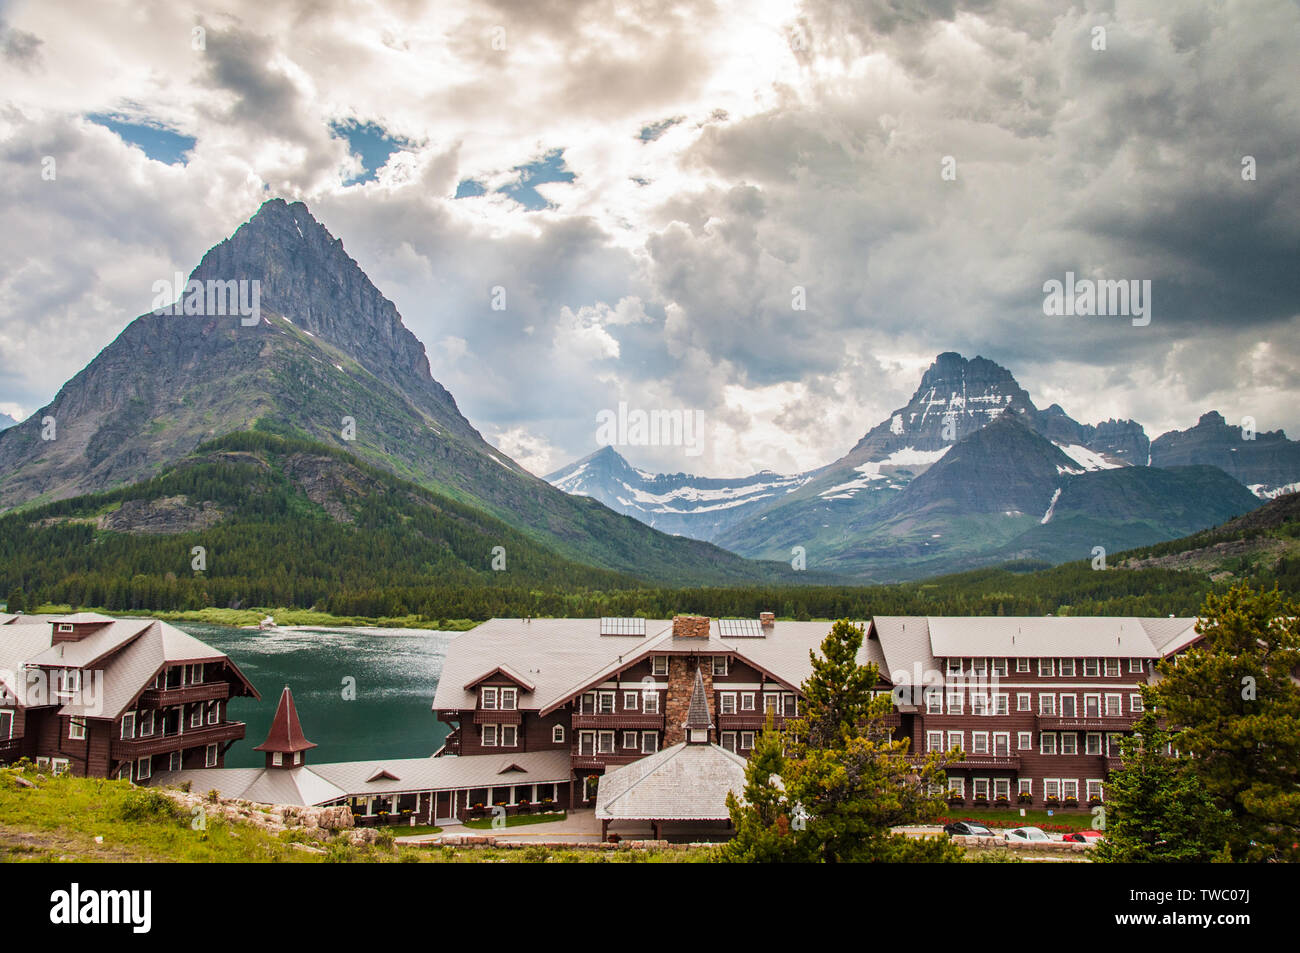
(1157,809)
(767,825)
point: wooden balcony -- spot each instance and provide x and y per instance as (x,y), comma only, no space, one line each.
(749,721)
(628,719)
(1086,722)
(11,749)
(970,760)
(130,749)
(184,694)
(581,762)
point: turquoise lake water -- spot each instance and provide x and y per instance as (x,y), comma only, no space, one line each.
(395,670)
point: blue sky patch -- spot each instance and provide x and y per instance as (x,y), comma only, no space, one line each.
(155,140)
(549,168)
(469,189)
(656,129)
(369,142)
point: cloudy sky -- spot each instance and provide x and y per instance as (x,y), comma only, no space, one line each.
(649,181)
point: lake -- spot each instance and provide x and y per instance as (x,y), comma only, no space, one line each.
(395,670)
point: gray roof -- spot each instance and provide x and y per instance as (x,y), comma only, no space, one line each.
(697,712)
(95,646)
(322,783)
(1171,635)
(684,782)
(18,643)
(904,642)
(1039,637)
(562,657)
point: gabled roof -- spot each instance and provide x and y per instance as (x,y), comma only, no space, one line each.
(1171,635)
(285,736)
(94,648)
(18,643)
(506,672)
(683,782)
(1039,637)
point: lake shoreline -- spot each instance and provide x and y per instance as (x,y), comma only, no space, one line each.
(285,619)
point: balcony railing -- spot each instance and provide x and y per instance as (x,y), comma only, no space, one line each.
(746,720)
(969,759)
(627,719)
(131,748)
(1086,722)
(11,748)
(184,694)
(621,756)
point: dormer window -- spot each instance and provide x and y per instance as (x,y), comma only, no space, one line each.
(66,627)
(509,698)
(488,699)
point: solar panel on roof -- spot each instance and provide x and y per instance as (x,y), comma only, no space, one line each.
(740,628)
(625,626)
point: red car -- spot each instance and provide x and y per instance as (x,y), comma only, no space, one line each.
(1084,837)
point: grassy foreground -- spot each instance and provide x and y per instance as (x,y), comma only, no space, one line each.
(236,617)
(93,820)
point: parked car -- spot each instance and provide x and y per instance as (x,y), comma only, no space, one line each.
(1026,834)
(967,828)
(1083,837)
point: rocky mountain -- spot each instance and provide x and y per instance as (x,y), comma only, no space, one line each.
(679,503)
(324,356)
(1267,463)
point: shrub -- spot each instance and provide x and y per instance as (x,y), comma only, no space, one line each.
(144,804)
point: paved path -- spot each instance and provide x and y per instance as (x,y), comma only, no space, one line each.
(579,827)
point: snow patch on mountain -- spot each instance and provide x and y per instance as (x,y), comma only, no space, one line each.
(1088,459)
(906,457)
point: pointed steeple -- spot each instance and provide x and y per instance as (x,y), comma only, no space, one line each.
(698,720)
(285,742)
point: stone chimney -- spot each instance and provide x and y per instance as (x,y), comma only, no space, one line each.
(767,619)
(690,627)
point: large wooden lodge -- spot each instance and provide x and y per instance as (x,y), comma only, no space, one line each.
(540,712)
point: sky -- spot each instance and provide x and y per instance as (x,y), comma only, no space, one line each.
(657,187)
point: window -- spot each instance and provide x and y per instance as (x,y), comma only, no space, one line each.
(145,723)
(1023,702)
(957,787)
(981,786)
(128,726)
(1091,668)
(588,705)
(65,627)
(1067,668)
(194,674)
(1136,667)
(728,740)
(1047,743)
(210,759)
(1069,742)
(557,735)
(1047,704)
(1092,706)
(659,665)
(1092,742)
(1068,703)
(1001,703)
(1114,705)
(979,704)
(1002,744)
(954,703)
(979,666)
(979,742)
(196,716)
(772,703)
(1051,788)
(77,729)
(1025,786)
(1045,667)
(605,703)
(297,757)
(1022,665)
(1025,740)
(586,743)
(934,741)
(954,666)
(791,704)
(1094,790)
(214,712)
(59,765)
(727,703)
(746,740)
(1002,788)
(719,665)
(6,725)
(630,739)
(1135,703)
(143,769)
(509,736)
(629,701)
(489,736)
(956,739)
(649,742)
(488,699)
(174,760)
(746,701)
(1112,667)
(999,668)
(650,702)
(509,699)
(1070,789)
(605,742)
(933,702)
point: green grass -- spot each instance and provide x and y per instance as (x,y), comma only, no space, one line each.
(401,830)
(517,820)
(1010,817)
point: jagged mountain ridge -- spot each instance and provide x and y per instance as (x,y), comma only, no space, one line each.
(1268,463)
(328,346)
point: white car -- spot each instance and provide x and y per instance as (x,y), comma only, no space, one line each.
(1026,834)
